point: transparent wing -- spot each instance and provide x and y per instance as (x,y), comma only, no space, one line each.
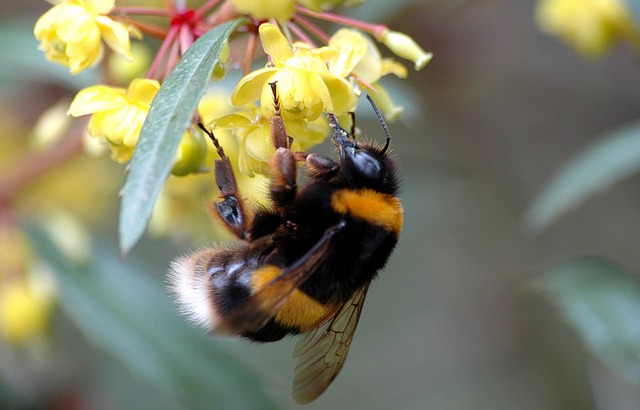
(265,303)
(321,352)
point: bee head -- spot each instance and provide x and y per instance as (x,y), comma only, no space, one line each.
(364,164)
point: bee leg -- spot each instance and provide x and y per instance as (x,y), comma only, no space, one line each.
(283,164)
(320,166)
(279,136)
(283,186)
(230,208)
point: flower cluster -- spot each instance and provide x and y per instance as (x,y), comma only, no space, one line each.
(71,33)
(592,27)
(312,78)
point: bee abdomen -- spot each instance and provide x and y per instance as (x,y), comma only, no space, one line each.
(210,283)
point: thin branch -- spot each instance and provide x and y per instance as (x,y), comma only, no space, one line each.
(35,165)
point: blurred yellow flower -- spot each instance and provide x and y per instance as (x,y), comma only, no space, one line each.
(24,313)
(117,114)
(306,87)
(261,9)
(71,33)
(26,290)
(592,27)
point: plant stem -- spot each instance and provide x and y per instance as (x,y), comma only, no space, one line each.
(171,35)
(375,29)
(34,165)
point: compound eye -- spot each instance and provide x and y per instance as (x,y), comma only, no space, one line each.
(366,164)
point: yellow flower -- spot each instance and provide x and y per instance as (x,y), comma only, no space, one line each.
(71,33)
(590,26)
(27,290)
(306,87)
(254,136)
(359,56)
(261,9)
(24,313)
(117,114)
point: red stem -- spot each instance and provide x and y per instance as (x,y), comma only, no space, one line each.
(185,38)
(150,29)
(171,35)
(172,59)
(250,51)
(315,30)
(301,34)
(375,29)
(206,7)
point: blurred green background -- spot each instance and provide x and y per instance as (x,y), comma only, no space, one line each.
(459,319)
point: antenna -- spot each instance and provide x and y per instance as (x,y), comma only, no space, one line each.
(385,127)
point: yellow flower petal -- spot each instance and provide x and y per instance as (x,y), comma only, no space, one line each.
(352,46)
(249,87)
(100,6)
(250,166)
(143,90)
(384,102)
(342,94)
(390,66)
(306,134)
(116,36)
(231,121)
(95,99)
(258,143)
(274,44)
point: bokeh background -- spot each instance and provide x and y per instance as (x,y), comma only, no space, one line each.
(459,319)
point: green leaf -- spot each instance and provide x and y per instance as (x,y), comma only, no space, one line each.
(128,314)
(170,114)
(609,160)
(602,302)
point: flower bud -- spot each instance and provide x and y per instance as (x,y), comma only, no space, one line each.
(191,154)
(404,46)
(383,101)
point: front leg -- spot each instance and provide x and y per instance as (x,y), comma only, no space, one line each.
(230,208)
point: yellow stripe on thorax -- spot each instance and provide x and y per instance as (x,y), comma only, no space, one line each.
(374,207)
(300,311)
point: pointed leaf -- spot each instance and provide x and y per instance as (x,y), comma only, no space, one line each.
(128,314)
(603,164)
(170,114)
(602,302)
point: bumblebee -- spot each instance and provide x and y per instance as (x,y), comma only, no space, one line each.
(302,267)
